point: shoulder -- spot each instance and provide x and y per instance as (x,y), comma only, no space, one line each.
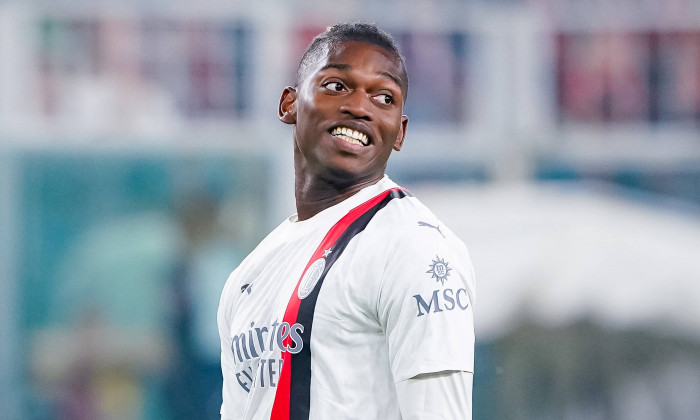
(412,243)
(409,225)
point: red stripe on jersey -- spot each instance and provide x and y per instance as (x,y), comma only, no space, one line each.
(280,408)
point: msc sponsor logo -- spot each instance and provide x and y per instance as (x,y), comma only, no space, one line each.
(441,300)
(439,270)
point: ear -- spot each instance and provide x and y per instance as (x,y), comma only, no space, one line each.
(398,144)
(287,109)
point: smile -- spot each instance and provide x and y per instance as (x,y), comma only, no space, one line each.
(351,136)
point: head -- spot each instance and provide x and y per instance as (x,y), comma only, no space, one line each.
(343,32)
(347,105)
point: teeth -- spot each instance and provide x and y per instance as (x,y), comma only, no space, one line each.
(349,139)
(350,135)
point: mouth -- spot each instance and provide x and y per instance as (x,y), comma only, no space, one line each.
(351,136)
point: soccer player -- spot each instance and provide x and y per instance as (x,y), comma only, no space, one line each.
(360,305)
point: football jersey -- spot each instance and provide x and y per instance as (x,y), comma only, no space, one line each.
(327,314)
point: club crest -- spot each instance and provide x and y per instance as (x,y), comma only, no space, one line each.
(311,277)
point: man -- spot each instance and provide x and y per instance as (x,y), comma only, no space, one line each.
(360,305)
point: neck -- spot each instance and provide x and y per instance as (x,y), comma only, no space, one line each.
(314,194)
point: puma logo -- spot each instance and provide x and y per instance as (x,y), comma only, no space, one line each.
(431,226)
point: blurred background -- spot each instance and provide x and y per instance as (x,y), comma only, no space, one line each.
(141,159)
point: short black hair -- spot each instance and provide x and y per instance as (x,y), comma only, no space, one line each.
(357,31)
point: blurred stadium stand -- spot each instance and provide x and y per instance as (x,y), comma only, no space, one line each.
(141,159)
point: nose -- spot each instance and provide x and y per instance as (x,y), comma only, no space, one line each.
(357,104)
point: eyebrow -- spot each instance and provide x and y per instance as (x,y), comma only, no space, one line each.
(346,67)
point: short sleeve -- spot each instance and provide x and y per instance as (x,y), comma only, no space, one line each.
(425,303)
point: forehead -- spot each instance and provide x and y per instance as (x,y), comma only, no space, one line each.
(357,56)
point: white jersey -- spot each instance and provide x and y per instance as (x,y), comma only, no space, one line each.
(327,315)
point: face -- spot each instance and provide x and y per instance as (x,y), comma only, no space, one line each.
(347,113)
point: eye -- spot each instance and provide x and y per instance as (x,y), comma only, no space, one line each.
(334,86)
(385,98)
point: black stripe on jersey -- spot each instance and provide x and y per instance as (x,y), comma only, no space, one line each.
(300,395)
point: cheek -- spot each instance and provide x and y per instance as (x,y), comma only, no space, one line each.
(309,114)
(391,128)
(305,122)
